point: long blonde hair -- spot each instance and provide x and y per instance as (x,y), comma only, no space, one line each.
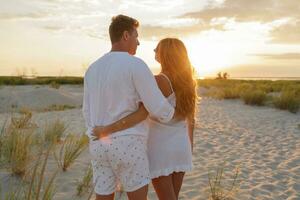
(175,63)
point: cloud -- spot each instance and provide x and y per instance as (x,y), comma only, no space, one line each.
(250,10)
(288,33)
(21,16)
(161,18)
(160,31)
(53,28)
(262,11)
(284,56)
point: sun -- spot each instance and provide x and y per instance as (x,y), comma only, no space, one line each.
(210,56)
(209,59)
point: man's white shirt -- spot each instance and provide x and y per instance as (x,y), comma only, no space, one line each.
(114,85)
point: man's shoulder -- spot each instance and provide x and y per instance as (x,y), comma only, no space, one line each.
(96,63)
(133,59)
(138,63)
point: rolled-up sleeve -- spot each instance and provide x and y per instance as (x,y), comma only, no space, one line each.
(86,109)
(154,101)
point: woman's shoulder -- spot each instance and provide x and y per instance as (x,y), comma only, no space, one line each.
(164,85)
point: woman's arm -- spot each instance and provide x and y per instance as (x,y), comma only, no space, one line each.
(133,118)
(124,123)
(191,126)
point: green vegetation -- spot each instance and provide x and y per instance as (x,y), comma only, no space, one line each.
(16,145)
(54,132)
(280,94)
(72,147)
(288,100)
(220,188)
(52,81)
(25,152)
(256,97)
(55,107)
(86,183)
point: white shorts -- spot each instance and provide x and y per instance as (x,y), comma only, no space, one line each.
(120,160)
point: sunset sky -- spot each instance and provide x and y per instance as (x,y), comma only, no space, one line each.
(245,38)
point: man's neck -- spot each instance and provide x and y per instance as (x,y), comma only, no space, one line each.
(118,47)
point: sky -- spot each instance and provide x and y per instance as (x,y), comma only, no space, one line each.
(246,38)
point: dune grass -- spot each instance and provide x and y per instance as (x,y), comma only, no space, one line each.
(36,187)
(256,97)
(16,150)
(288,100)
(54,85)
(71,148)
(19,80)
(256,92)
(56,107)
(221,190)
(54,131)
(26,155)
(17,144)
(86,183)
(24,121)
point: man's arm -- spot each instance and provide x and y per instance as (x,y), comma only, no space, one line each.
(151,96)
(124,123)
(86,108)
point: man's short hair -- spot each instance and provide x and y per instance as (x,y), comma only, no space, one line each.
(119,24)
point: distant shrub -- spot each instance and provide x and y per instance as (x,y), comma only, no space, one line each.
(229,93)
(55,107)
(256,97)
(19,80)
(288,100)
(54,85)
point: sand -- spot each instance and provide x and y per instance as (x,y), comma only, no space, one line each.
(263,142)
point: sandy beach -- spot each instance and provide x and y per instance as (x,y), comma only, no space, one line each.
(262,141)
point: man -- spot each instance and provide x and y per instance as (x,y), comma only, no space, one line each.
(114,86)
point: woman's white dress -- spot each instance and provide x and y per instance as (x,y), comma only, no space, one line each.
(169,148)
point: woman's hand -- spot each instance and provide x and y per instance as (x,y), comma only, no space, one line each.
(100,132)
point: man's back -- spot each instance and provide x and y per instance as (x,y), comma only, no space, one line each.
(111,91)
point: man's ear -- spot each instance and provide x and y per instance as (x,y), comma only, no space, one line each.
(126,35)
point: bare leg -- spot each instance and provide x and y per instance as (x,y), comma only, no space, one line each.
(105,197)
(139,194)
(163,186)
(177,178)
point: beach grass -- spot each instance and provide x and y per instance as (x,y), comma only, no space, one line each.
(72,147)
(284,94)
(54,85)
(54,131)
(23,121)
(55,81)
(256,97)
(57,107)
(16,150)
(220,189)
(86,183)
(37,186)
(288,100)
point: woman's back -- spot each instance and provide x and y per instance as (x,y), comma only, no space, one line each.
(166,88)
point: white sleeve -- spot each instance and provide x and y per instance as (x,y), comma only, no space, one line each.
(154,101)
(86,108)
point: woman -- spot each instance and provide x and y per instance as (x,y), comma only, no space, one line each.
(170,144)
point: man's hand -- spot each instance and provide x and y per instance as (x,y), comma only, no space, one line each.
(100,132)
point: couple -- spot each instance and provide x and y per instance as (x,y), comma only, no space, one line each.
(120,92)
